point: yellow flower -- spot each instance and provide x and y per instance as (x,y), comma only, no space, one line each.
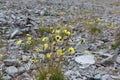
(111,25)
(98,20)
(48,56)
(54,43)
(60,52)
(68,33)
(29,42)
(87,21)
(83,41)
(86,52)
(19,41)
(63,49)
(58,38)
(52,30)
(45,46)
(37,49)
(34,60)
(64,31)
(29,38)
(28,35)
(57,31)
(45,39)
(71,50)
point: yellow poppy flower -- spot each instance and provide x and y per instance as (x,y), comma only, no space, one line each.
(86,21)
(19,41)
(83,41)
(60,52)
(54,43)
(29,38)
(52,30)
(48,56)
(57,31)
(98,20)
(86,52)
(34,60)
(64,31)
(28,35)
(58,38)
(68,33)
(45,39)
(37,49)
(29,42)
(45,46)
(71,50)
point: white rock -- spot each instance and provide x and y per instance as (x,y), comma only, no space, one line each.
(85,59)
(118,59)
(11,70)
(16,31)
(106,77)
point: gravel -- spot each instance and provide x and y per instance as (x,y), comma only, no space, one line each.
(18,17)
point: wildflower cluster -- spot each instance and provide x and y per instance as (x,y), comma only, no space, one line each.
(93,27)
(53,46)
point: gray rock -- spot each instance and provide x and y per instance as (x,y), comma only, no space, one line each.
(118,59)
(11,62)
(7,77)
(111,59)
(13,16)
(97,76)
(25,58)
(106,77)
(116,77)
(29,66)
(12,70)
(69,72)
(21,69)
(1,66)
(41,56)
(14,33)
(26,76)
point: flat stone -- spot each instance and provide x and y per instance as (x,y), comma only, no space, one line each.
(85,59)
(106,77)
(15,32)
(11,62)
(7,77)
(12,70)
(118,59)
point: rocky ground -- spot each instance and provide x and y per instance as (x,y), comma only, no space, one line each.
(18,17)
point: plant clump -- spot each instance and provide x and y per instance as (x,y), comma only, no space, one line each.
(1,43)
(93,27)
(54,46)
(117,39)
